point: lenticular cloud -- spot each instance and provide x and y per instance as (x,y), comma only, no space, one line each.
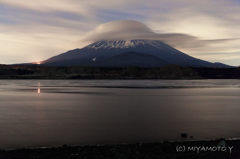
(132,30)
(120,30)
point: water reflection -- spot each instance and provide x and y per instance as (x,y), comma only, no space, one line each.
(113,115)
(39,90)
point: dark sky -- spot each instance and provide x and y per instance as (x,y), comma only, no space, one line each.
(36,30)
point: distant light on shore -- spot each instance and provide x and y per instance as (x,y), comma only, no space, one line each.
(38,63)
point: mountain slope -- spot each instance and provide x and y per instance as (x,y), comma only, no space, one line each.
(123,60)
(103,50)
(133,59)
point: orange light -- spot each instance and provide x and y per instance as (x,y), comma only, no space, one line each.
(38,63)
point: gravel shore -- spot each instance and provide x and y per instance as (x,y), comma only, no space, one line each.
(169,150)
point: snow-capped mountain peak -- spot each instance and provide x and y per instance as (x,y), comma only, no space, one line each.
(103,50)
(124,44)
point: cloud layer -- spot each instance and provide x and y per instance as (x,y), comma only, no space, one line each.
(130,29)
(37,30)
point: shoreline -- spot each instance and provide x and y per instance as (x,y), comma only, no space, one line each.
(164,149)
(85,72)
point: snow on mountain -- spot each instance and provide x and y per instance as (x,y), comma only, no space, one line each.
(124,44)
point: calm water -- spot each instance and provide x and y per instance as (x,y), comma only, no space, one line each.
(37,113)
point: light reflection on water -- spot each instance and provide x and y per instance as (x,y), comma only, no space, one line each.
(65,114)
(39,90)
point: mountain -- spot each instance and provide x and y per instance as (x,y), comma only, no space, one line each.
(133,59)
(152,50)
(123,60)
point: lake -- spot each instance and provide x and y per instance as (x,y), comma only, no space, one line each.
(44,113)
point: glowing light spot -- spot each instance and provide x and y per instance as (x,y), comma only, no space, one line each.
(36,63)
(39,90)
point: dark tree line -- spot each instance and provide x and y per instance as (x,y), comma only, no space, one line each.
(84,72)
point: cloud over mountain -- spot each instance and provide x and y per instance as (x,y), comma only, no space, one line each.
(120,30)
(130,29)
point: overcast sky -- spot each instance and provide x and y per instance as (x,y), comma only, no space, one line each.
(37,30)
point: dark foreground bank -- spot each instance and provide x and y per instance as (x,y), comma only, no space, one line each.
(84,72)
(168,150)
